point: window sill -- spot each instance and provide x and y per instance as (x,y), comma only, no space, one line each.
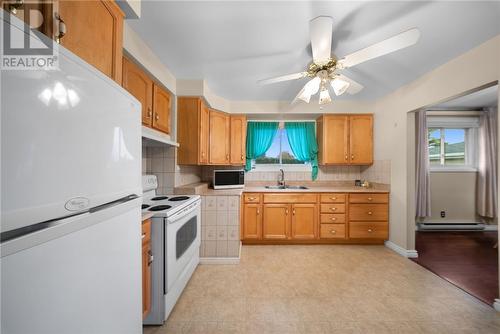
(286,168)
(453,170)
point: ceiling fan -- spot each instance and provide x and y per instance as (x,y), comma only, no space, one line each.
(324,69)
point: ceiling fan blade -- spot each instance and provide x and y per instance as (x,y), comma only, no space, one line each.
(354,87)
(394,43)
(321,39)
(287,77)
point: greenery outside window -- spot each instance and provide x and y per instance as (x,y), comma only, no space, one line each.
(280,152)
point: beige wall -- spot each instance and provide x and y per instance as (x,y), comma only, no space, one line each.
(455,193)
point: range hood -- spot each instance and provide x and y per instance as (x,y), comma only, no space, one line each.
(151,137)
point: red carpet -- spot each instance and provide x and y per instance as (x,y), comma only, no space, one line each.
(466,259)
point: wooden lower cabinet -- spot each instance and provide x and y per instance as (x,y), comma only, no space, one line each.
(252,222)
(304,221)
(314,218)
(276,221)
(146,267)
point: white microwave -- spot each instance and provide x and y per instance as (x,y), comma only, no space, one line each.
(229,179)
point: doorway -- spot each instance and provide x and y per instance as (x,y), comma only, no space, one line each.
(456,174)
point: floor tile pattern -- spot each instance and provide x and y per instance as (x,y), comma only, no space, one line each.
(324,289)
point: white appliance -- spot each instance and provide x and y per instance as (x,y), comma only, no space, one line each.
(175,238)
(229,179)
(70,201)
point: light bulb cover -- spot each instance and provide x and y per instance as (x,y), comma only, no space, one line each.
(324,96)
(339,86)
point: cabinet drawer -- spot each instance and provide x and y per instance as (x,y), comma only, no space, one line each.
(290,198)
(369,198)
(332,218)
(369,230)
(332,231)
(146,231)
(332,208)
(332,198)
(251,198)
(368,212)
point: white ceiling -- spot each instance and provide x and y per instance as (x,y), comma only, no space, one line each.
(487,97)
(232,44)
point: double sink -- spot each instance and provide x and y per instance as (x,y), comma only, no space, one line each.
(283,187)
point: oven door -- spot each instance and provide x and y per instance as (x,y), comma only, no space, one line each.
(182,241)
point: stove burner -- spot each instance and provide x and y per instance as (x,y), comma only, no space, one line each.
(160,208)
(179,198)
(145,206)
(159,198)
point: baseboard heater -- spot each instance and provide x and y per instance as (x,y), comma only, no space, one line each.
(451,227)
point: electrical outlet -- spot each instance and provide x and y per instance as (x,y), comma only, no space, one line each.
(443,214)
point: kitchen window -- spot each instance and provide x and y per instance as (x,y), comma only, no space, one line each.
(280,152)
(452,142)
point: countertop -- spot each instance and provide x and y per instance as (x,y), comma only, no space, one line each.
(202,188)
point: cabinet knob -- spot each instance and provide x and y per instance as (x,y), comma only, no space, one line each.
(333,209)
(293,212)
(370,199)
(61,27)
(333,219)
(333,231)
(346,157)
(370,213)
(258,211)
(352,156)
(151,258)
(333,198)
(370,230)
(157,117)
(227,156)
(242,157)
(143,235)
(252,198)
(286,212)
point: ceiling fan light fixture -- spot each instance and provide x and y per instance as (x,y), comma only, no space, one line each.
(339,86)
(303,95)
(324,96)
(312,86)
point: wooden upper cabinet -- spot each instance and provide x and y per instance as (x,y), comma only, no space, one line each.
(304,221)
(361,139)
(238,140)
(276,220)
(219,138)
(333,138)
(43,22)
(345,139)
(192,131)
(138,83)
(204,133)
(94,32)
(161,109)
(252,222)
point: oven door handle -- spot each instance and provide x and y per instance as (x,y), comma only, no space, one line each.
(184,212)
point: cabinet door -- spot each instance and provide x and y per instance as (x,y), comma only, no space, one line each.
(161,109)
(275,223)
(138,83)
(238,139)
(204,133)
(38,14)
(219,138)
(94,32)
(304,221)
(252,222)
(361,139)
(146,279)
(335,138)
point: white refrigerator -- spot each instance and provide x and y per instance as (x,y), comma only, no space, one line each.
(70,201)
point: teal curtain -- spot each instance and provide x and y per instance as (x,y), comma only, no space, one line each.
(260,136)
(302,140)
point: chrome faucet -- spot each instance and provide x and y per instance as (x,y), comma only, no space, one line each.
(281,179)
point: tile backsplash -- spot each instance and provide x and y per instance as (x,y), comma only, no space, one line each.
(379,172)
(160,161)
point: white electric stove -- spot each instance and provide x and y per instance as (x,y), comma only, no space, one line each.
(175,241)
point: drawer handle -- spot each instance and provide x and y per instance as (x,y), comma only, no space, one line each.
(370,199)
(370,213)
(333,231)
(252,198)
(333,198)
(370,230)
(333,218)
